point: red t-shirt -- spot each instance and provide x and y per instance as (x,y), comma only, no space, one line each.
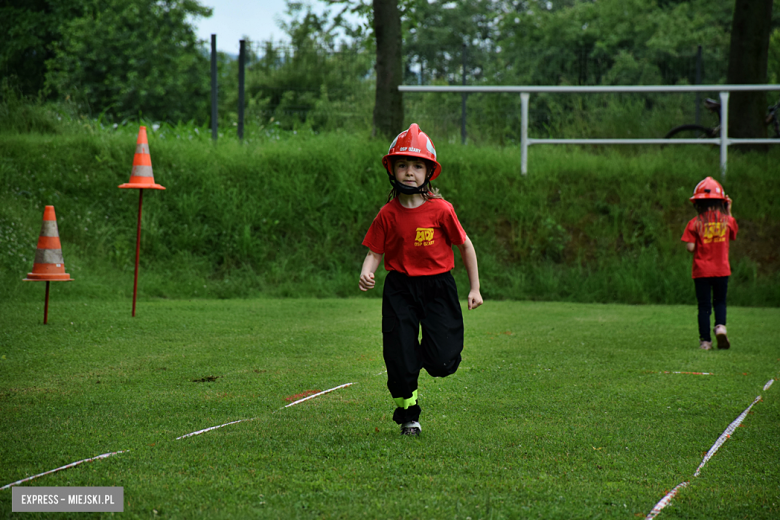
(711,256)
(416,241)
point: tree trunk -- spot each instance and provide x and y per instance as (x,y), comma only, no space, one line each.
(388,107)
(748,54)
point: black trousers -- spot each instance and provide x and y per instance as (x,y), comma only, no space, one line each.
(711,293)
(409,302)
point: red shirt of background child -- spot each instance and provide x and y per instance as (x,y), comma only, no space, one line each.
(711,234)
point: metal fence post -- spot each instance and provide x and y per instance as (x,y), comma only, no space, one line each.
(463,102)
(698,82)
(724,132)
(524,132)
(214,87)
(241,60)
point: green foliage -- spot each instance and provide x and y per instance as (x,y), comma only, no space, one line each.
(118,59)
(317,81)
(566,43)
(31,27)
(554,43)
(125,58)
(557,411)
(114,59)
(437,33)
(559,43)
(21,114)
(307,87)
(773,65)
(285,214)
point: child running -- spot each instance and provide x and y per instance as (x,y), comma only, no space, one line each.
(707,236)
(415,232)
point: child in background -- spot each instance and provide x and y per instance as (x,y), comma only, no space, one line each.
(707,236)
(415,231)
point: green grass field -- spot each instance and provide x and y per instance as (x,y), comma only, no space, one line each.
(559,410)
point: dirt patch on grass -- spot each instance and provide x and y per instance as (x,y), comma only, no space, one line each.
(207,379)
(307,393)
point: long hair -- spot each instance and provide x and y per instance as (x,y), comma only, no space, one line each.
(710,211)
(432,193)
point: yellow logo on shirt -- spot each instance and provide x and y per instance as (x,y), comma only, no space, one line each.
(714,232)
(424,237)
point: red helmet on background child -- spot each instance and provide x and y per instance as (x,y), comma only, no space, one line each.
(709,188)
(412,143)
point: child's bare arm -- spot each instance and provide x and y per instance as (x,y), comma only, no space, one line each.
(370,265)
(690,246)
(469,256)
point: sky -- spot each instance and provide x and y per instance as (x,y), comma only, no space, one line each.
(231,20)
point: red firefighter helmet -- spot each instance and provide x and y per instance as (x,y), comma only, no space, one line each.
(412,143)
(709,188)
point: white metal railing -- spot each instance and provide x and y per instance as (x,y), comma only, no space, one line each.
(525,92)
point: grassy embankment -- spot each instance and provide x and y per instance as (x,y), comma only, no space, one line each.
(284,215)
(558,411)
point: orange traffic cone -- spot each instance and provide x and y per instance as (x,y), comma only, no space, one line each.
(141,176)
(48,265)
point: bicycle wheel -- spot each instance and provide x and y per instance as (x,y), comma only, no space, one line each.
(690,132)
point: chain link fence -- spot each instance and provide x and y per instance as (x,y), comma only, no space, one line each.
(324,89)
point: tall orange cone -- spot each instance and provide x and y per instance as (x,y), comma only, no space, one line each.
(48,265)
(142,176)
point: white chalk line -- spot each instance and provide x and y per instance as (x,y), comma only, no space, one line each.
(715,447)
(254,418)
(213,428)
(105,455)
(315,395)
(66,466)
(665,500)
(725,436)
(691,373)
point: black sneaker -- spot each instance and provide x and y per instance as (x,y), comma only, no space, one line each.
(411,428)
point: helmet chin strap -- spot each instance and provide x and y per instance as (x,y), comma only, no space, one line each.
(408,190)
